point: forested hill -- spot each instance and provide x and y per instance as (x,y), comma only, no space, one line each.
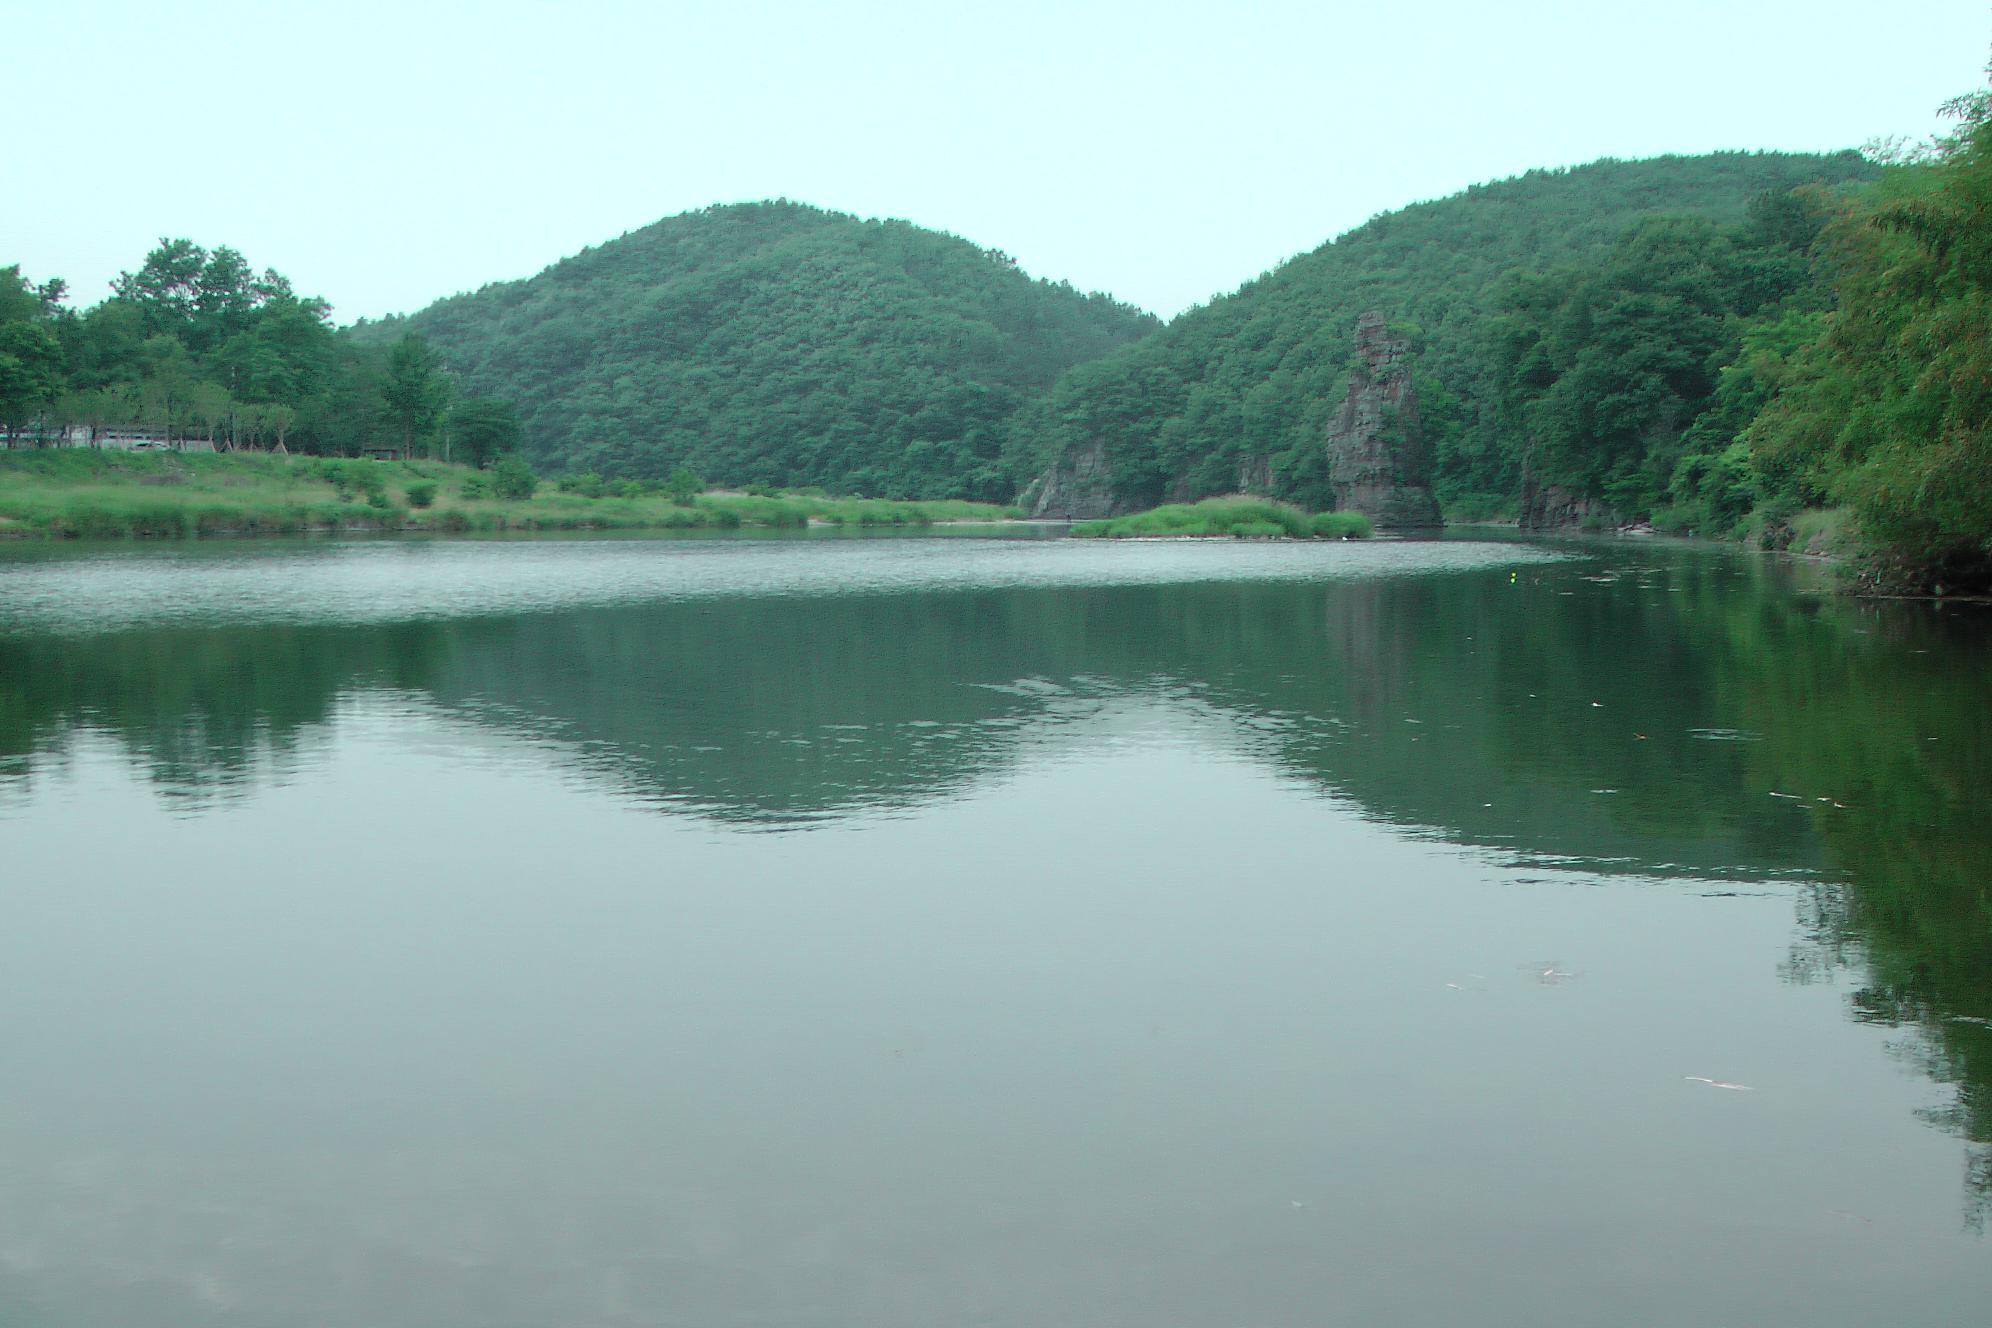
(773,343)
(1256,374)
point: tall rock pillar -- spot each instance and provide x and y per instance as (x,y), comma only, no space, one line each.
(1379,462)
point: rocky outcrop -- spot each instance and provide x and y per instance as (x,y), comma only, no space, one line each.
(1379,462)
(1553,507)
(1077,488)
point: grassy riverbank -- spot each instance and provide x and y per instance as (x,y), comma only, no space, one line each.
(1237,518)
(168,495)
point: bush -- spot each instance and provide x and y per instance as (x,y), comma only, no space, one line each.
(1340,525)
(513,480)
(474,486)
(683,486)
(421,493)
(1255,518)
(585,485)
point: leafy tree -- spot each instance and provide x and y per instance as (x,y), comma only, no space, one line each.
(30,363)
(166,289)
(413,389)
(1891,408)
(481,429)
(196,339)
(683,486)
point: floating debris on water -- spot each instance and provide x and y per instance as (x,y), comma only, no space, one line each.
(1725,735)
(1718,1083)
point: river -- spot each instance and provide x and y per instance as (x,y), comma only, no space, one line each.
(1000,931)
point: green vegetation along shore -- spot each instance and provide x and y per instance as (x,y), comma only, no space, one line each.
(1785,349)
(774,343)
(88,494)
(1236,518)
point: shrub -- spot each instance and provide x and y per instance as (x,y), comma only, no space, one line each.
(1340,525)
(513,479)
(1245,517)
(683,486)
(475,486)
(421,493)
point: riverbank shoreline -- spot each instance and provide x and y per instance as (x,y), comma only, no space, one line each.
(79,495)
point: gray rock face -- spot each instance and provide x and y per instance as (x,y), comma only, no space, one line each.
(1553,507)
(1078,488)
(1379,462)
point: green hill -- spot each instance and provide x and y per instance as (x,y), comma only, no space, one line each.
(1255,376)
(775,343)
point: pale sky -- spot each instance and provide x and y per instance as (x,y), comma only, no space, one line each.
(383,155)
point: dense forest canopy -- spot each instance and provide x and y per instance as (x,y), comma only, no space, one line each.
(1783,347)
(1258,373)
(196,345)
(776,344)
(1833,351)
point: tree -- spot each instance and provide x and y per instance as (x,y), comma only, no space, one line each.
(481,429)
(168,387)
(167,286)
(415,392)
(683,486)
(20,302)
(30,373)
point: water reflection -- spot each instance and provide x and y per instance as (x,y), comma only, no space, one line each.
(1630,712)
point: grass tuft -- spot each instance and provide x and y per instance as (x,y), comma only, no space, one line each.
(82,494)
(1229,518)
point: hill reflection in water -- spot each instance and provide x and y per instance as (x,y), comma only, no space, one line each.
(1624,712)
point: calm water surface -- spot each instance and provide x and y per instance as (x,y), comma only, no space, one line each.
(988,931)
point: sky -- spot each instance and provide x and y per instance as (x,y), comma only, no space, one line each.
(385,155)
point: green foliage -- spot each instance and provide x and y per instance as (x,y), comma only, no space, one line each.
(1890,410)
(414,392)
(1258,373)
(196,346)
(104,494)
(1602,368)
(482,429)
(776,345)
(512,478)
(1341,525)
(683,485)
(1238,518)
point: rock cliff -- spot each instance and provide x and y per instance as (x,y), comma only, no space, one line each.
(1553,507)
(1379,462)
(1078,488)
